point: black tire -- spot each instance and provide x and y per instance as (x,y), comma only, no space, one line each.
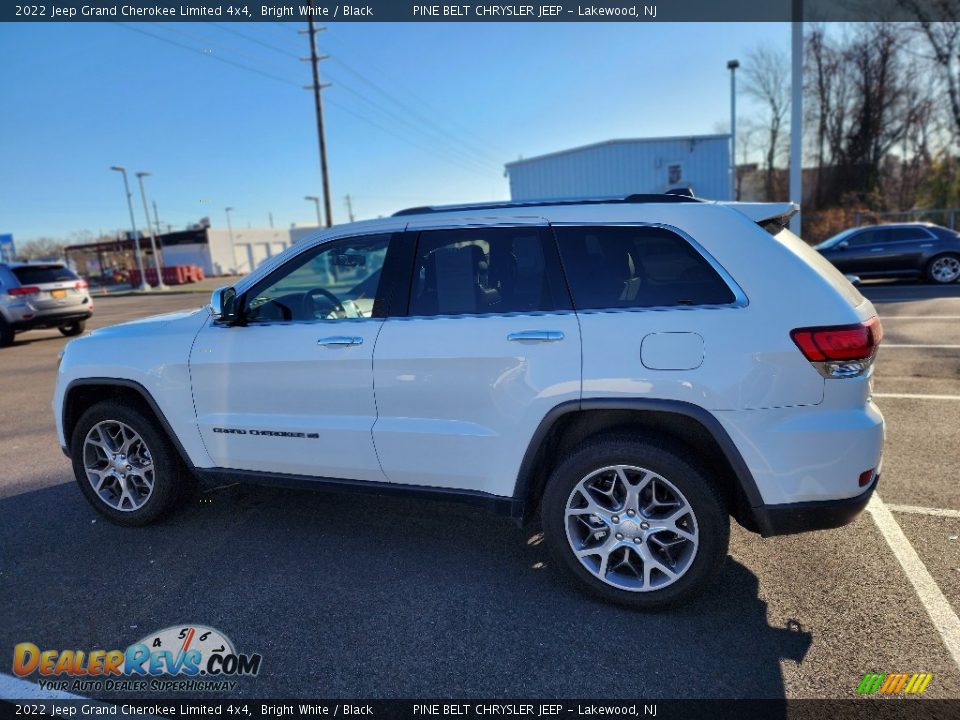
(674,465)
(171,483)
(75,328)
(929,272)
(6,334)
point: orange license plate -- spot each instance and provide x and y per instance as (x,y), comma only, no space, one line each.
(58,294)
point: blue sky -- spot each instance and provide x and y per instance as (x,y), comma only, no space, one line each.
(417,113)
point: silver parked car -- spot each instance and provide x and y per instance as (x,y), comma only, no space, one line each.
(42,295)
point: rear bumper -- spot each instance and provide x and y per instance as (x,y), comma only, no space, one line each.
(51,320)
(801,517)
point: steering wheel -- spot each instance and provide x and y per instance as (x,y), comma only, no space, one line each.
(310,305)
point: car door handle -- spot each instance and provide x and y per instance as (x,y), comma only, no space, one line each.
(536,336)
(926,245)
(340,340)
(877,249)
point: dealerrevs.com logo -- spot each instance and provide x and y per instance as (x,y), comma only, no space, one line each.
(182,657)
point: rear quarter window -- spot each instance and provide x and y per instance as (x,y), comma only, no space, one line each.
(40,274)
(635,267)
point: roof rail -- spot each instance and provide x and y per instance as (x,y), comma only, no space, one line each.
(636,198)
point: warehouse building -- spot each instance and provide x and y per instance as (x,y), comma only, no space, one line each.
(700,163)
(216,251)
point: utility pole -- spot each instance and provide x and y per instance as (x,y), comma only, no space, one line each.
(732,66)
(349,207)
(156,217)
(796,113)
(270,215)
(317,87)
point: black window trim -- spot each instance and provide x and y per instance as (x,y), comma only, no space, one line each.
(740,299)
(398,239)
(548,244)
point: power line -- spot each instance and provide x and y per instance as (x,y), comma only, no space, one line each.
(484,165)
(208,55)
(363,118)
(257,41)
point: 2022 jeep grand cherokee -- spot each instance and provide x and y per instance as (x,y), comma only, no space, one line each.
(635,370)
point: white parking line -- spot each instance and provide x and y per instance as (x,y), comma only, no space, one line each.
(14,688)
(914,510)
(942,615)
(909,345)
(916,396)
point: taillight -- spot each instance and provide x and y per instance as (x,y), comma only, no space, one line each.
(81,285)
(27,290)
(840,351)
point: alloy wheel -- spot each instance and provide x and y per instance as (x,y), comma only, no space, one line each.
(945,269)
(118,465)
(631,528)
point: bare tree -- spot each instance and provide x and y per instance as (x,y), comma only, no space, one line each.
(943,38)
(767,80)
(41,248)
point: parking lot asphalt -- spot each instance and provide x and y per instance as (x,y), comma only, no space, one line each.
(357,596)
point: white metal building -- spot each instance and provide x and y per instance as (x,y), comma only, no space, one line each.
(622,167)
(218,254)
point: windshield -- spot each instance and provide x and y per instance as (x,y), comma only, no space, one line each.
(832,241)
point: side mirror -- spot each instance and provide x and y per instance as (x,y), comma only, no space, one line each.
(223,304)
(843,245)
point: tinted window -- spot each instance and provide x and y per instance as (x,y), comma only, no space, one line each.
(624,267)
(485,270)
(337,281)
(864,237)
(40,274)
(905,234)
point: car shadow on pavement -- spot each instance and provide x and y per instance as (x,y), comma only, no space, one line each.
(359,596)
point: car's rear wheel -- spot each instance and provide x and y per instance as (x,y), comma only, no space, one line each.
(75,328)
(6,334)
(944,269)
(125,465)
(635,522)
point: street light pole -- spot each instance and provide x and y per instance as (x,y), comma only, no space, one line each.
(233,249)
(153,238)
(316,201)
(133,224)
(796,114)
(732,66)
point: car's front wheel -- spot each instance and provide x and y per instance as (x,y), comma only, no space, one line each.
(75,328)
(125,465)
(635,522)
(944,269)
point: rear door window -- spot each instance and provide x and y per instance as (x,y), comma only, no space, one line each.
(487,270)
(905,235)
(631,267)
(42,274)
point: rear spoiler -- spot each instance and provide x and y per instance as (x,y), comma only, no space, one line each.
(772,217)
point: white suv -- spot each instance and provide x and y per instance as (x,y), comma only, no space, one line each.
(633,370)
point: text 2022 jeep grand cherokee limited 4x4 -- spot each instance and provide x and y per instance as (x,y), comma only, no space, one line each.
(635,370)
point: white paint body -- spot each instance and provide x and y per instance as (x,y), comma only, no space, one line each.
(450,402)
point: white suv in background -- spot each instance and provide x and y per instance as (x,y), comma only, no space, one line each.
(633,370)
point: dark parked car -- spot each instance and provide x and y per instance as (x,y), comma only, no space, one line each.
(900,250)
